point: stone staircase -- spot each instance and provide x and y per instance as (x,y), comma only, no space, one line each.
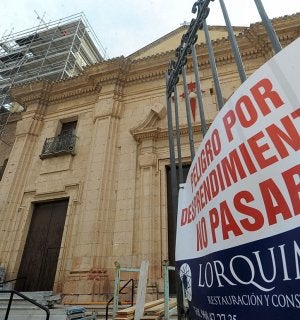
(24,310)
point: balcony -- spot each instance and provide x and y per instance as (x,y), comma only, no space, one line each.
(62,144)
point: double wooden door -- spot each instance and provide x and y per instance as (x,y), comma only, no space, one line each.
(40,256)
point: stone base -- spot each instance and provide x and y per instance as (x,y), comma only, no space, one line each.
(91,286)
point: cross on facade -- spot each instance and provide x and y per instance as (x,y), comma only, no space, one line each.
(192,96)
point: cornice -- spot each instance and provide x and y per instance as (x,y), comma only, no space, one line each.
(253,43)
(163,133)
(34,92)
(74,88)
(121,71)
(88,83)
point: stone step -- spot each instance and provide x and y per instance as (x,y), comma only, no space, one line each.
(27,314)
(22,309)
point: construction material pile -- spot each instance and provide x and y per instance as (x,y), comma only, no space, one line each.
(154,310)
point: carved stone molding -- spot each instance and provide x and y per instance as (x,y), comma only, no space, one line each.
(35,92)
(148,129)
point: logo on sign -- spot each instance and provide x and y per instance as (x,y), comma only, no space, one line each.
(186,278)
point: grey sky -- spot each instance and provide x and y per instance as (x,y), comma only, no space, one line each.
(124,26)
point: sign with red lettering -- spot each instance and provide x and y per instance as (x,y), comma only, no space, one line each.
(238,229)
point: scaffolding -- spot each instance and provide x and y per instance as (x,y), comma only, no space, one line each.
(53,51)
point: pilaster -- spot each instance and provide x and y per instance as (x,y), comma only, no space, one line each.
(90,275)
(16,174)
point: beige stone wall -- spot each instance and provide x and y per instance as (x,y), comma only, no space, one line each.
(116,181)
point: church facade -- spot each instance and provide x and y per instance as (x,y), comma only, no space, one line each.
(86,181)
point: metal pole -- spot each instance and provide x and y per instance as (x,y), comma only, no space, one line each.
(178,135)
(174,186)
(9,306)
(233,43)
(188,113)
(213,66)
(199,92)
(166,288)
(268,26)
(132,291)
(116,289)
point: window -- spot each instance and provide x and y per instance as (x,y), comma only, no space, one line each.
(63,143)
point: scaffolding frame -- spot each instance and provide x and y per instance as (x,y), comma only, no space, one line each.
(54,51)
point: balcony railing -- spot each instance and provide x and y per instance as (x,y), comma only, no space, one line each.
(62,144)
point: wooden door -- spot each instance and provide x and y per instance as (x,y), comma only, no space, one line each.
(41,251)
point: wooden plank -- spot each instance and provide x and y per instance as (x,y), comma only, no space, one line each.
(141,293)
(148,305)
(153,303)
(126,311)
(123,316)
(159,309)
(150,317)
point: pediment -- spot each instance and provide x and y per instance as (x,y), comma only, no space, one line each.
(147,127)
(171,40)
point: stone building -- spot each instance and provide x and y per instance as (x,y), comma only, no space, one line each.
(86,181)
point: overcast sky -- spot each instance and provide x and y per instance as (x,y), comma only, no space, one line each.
(124,26)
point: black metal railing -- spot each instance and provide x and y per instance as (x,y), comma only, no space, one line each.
(24,279)
(177,72)
(61,144)
(14,292)
(120,291)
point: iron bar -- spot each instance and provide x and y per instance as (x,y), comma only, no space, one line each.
(19,278)
(12,292)
(213,67)
(188,113)
(233,42)
(202,10)
(268,26)
(198,90)
(112,298)
(174,193)
(9,306)
(178,135)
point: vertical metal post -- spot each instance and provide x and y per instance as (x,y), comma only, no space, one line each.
(199,92)
(166,288)
(178,136)
(233,43)
(268,26)
(188,113)
(132,291)
(174,187)
(9,306)
(213,66)
(116,289)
